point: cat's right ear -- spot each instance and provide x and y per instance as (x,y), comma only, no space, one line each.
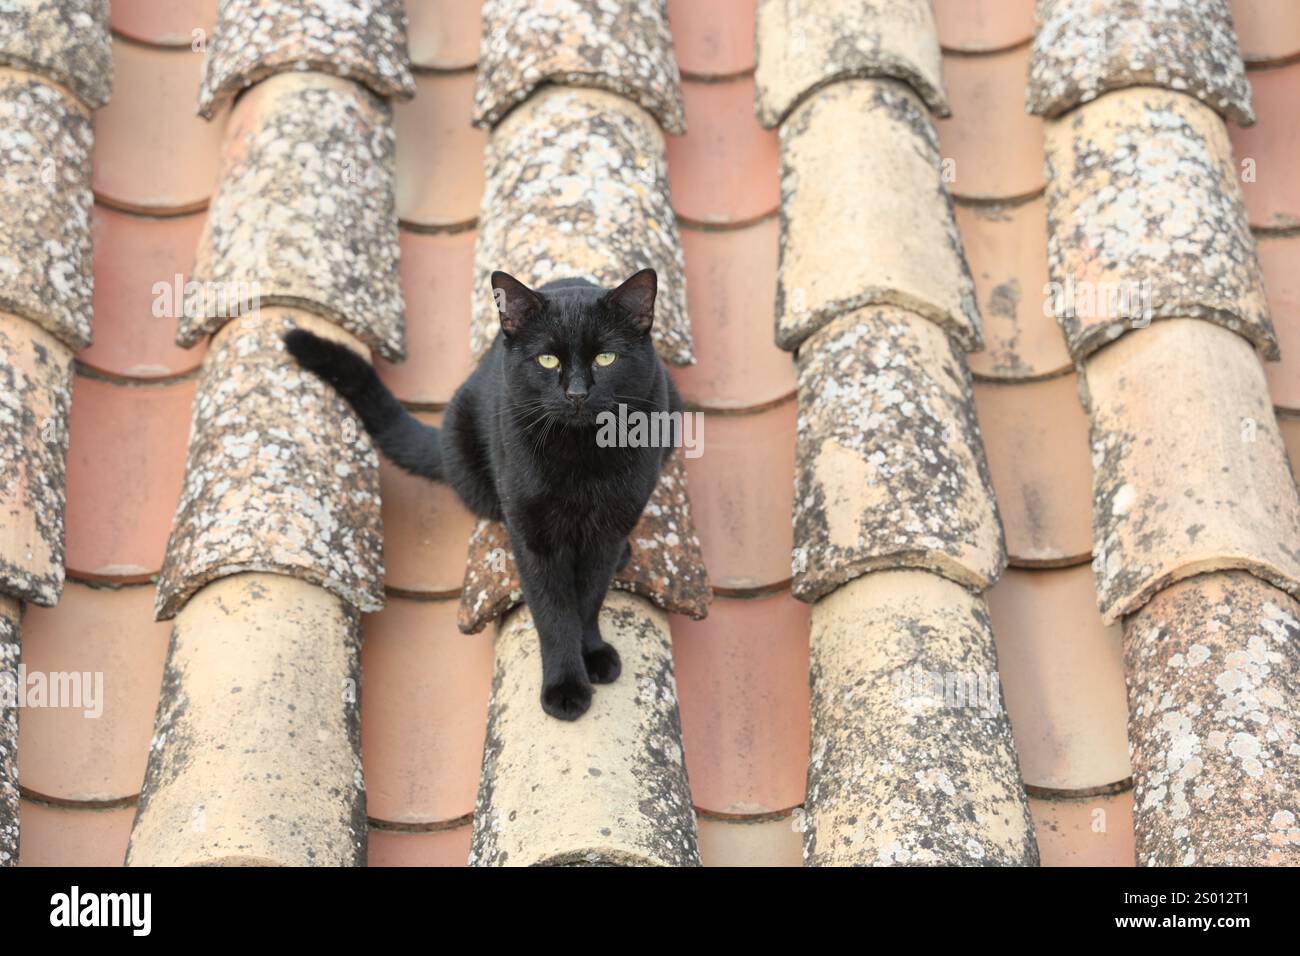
(516,303)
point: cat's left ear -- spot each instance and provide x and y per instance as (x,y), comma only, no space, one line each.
(636,298)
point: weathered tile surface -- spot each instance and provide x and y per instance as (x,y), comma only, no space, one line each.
(362,40)
(625,48)
(35,396)
(1146,221)
(256,754)
(1214,681)
(608,789)
(577,186)
(865,216)
(279,477)
(890,470)
(45,201)
(1084,48)
(667,565)
(10,649)
(804,45)
(304,212)
(64,40)
(912,759)
(1189,471)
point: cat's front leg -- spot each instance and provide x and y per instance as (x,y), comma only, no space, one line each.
(547,582)
(595,571)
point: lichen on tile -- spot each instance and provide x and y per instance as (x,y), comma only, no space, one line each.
(866,218)
(45,203)
(1214,680)
(35,399)
(625,48)
(1084,48)
(890,470)
(805,45)
(279,477)
(667,563)
(10,650)
(1145,221)
(577,187)
(361,40)
(66,41)
(304,214)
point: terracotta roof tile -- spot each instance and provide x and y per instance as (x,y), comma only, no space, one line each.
(640,813)
(1280,259)
(742,678)
(1084,48)
(806,46)
(1213,664)
(164,22)
(45,200)
(125,467)
(137,262)
(730,293)
(742,491)
(625,49)
(303,214)
(63,40)
(1036,437)
(437,273)
(1086,831)
(35,393)
(899,773)
(1062,675)
(439,154)
(432,848)
(863,151)
(1268,153)
(96,752)
(1267,30)
(1290,428)
(763,842)
(725,169)
(256,756)
(11,610)
(426,530)
(713,39)
(278,476)
(152,153)
(1143,200)
(1007,250)
(364,40)
(890,471)
(1203,490)
(423,712)
(443,34)
(666,565)
(994,148)
(983,26)
(554,207)
(63,836)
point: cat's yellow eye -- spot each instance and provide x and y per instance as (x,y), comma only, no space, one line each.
(548,361)
(606,358)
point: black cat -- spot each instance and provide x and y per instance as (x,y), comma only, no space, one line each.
(518,444)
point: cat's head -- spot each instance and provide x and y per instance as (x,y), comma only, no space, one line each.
(573,349)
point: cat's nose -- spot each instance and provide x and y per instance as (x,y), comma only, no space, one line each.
(576,393)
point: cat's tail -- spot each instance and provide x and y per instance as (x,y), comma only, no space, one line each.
(407,442)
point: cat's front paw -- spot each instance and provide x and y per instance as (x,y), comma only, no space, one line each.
(567,698)
(603,663)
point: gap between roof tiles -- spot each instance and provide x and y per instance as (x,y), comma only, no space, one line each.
(973,54)
(437,229)
(732,412)
(1105,790)
(127,381)
(1054,564)
(718,77)
(1047,376)
(438,826)
(699,226)
(768,817)
(428,597)
(763,591)
(59,803)
(151,212)
(998,202)
(443,70)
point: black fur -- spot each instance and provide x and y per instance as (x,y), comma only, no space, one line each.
(518,444)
